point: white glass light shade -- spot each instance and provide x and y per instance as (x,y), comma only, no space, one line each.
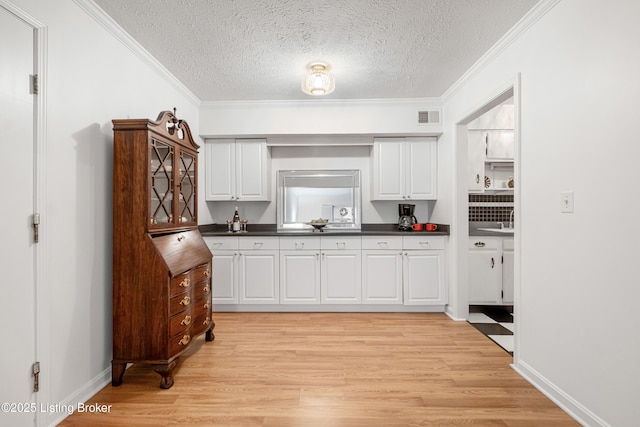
(318,80)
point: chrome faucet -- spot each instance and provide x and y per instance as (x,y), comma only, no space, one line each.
(511,219)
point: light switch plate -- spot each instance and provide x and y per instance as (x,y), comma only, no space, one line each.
(566,202)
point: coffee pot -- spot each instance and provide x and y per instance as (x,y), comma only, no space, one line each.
(407,218)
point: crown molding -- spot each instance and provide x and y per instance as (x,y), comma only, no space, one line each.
(422,102)
(94,11)
(533,16)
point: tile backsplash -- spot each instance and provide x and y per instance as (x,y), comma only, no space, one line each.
(490,207)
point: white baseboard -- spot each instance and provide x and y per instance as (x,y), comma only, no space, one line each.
(572,407)
(82,395)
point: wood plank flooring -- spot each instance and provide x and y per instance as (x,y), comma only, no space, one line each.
(332,369)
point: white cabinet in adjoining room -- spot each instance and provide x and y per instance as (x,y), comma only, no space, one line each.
(423,270)
(491,274)
(258,270)
(341,270)
(236,169)
(224,278)
(404,168)
(300,270)
(382,270)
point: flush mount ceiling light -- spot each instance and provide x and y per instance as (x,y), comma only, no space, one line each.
(318,80)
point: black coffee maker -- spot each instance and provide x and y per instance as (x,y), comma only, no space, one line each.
(407,218)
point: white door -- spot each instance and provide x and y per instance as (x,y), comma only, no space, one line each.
(484,277)
(224,280)
(258,278)
(17,290)
(381,277)
(423,278)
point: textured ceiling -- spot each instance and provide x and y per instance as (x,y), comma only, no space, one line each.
(258,49)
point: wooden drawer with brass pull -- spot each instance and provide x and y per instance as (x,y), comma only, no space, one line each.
(180,323)
(179,343)
(181,283)
(180,302)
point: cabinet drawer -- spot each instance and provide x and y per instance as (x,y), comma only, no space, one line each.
(217,243)
(202,291)
(480,242)
(381,242)
(180,302)
(181,283)
(201,307)
(201,324)
(259,243)
(340,243)
(180,342)
(180,323)
(299,243)
(201,273)
(422,242)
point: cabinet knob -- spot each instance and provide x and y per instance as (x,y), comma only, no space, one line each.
(185,340)
(186,321)
(185,283)
(206,305)
(207,272)
(185,301)
(180,238)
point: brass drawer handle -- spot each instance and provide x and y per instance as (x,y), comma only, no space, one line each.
(185,283)
(206,305)
(186,321)
(185,340)
(185,301)
(206,321)
(207,272)
(206,288)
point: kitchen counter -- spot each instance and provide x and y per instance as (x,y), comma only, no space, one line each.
(271,230)
(484,229)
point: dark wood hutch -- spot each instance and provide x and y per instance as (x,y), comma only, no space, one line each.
(161,264)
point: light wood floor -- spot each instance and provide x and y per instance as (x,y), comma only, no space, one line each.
(332,369)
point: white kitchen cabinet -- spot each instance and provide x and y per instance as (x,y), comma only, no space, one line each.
(490,154)
(423,270)
(476,149)
(382,270)
(404,168)
(224,277)
(508,273)
(341,270)
(485,272)
(491,274)
(300,270)
(258,270)
(236,169)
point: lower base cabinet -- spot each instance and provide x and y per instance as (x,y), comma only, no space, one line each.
(491,272)
(328,270)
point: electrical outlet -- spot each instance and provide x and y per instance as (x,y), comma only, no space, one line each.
(566,202)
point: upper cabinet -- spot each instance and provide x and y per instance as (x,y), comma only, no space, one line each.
(237,169)
(491,147)
(404,168)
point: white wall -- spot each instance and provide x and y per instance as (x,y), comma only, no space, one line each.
(91,78)
(577,300)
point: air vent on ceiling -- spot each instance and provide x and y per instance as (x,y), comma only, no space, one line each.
(428,117)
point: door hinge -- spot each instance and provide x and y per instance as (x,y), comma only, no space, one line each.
(33,84)
(36,375)
(36,225)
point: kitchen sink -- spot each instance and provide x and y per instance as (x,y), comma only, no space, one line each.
(498,230)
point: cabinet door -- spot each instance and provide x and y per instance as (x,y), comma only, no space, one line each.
(421,162)
(252,177)
(258,277)
(381,277)
(508,274)
(476,149)
(161,185)
(388,169)
(220,169)
(423,277)
(187,188)
(484,277)
(300,277)
(500,145)
(224,278)
(341,277)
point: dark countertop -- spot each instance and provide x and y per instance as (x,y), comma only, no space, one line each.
(271,230)
(474,229)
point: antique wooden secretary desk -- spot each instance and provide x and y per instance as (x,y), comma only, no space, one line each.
(161,264)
